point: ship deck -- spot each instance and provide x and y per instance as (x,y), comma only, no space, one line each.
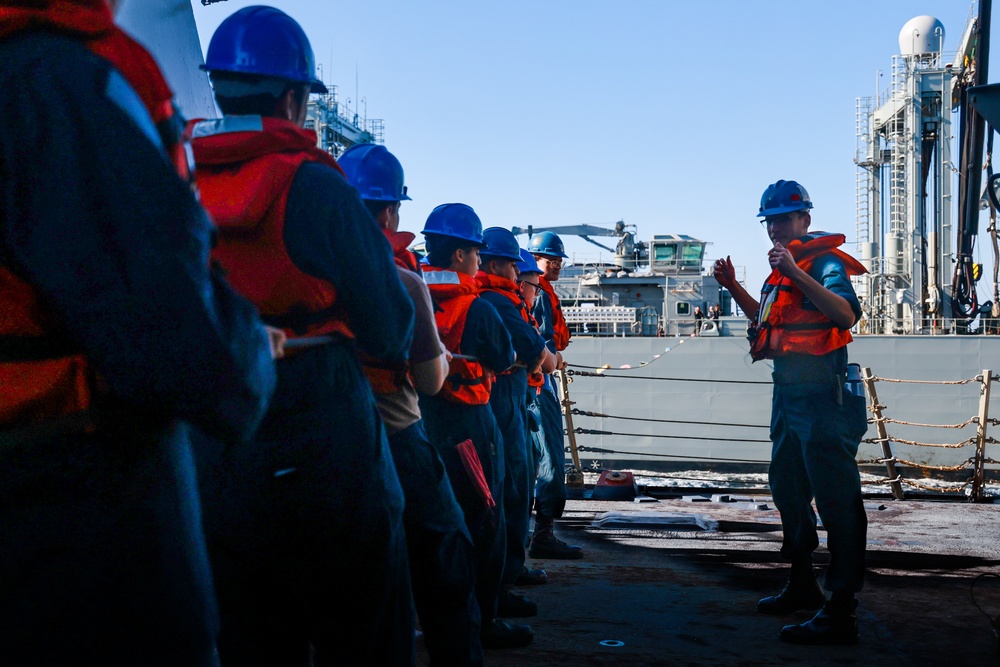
(655,589)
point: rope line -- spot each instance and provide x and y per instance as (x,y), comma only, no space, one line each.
(594,431)
(944,489)
(586,413)
(926,466)
(876,441)
(887,420)
(601,450)
(637,377)
(978,378)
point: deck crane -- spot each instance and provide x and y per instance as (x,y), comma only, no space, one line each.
(635,253)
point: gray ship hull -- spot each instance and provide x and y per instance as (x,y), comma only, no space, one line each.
(716,404)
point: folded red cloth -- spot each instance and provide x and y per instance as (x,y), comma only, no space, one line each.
(474,468)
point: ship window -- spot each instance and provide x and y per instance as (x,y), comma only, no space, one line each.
(691,256)
(683,308)
(665,253)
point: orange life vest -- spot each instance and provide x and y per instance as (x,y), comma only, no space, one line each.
(245,169)
(43,378)
(783,325)
(560,330)
(468,382)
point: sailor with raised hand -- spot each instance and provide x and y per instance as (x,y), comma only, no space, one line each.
(497,279)
(305,535)
(116,336)
(459,420)
(550,486)
(802,323)
(442,562)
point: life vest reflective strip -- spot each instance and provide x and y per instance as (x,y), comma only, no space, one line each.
(507,288)
(560,332)
(249,154)
(47,386)
(784,326)
(468,382)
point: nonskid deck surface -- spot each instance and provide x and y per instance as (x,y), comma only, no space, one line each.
(654,589)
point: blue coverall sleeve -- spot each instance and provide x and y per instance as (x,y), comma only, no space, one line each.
(543,315)
(528,345)
(486,338)
(829,272)
(94,216)
(330,235)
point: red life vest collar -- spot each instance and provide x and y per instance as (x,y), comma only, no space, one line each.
(560,331)
(806,249)
(506,287)
(238,139)
(400,242)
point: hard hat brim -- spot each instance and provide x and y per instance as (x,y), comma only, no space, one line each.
(784,209)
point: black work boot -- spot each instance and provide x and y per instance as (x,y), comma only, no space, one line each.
(835,623)
(530,577)
(497,634)
(512,605)
(800,592)
(545,544)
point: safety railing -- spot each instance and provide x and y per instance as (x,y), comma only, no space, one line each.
(883,422)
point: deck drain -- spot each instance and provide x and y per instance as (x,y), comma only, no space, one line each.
(614,643)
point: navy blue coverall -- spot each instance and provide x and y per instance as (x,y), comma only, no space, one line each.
(102,558)
(449,424)
(305,530)
(549,439)
(816,428)
(509,403)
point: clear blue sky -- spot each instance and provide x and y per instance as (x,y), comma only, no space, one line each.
(672,116)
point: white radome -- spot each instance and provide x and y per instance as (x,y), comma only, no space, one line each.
(921,35)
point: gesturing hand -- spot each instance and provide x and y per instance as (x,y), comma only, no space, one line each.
(724,272)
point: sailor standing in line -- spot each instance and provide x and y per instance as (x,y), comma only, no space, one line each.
(459,420)
(550,486)
(442,564)
(115,335)
(508,400)
(802,323)
(305,535)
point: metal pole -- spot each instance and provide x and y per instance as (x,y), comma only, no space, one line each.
(574,478)
(979,463)
(883,435)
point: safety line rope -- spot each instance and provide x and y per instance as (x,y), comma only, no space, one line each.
(637,377)
(601,450)
(593,431)
(586,413)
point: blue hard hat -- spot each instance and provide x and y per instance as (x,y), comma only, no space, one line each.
(783,197)
(264,41)
(500,242)
(547,243)
(528,263)
(374,171)
(458,221)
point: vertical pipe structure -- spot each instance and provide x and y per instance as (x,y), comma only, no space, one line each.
(972,135)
